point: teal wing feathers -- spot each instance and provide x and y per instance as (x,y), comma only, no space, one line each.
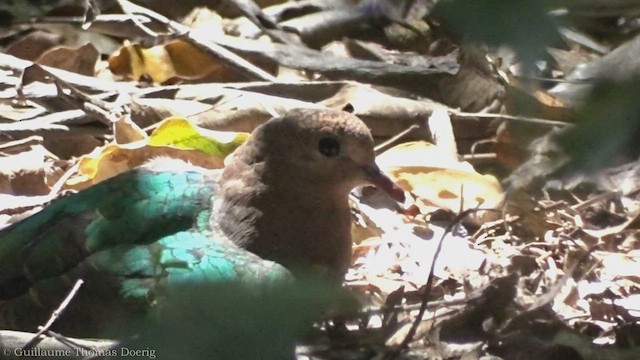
(129,239)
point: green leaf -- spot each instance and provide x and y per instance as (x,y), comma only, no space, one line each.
(180,133)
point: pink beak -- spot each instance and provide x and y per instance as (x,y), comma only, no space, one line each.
(382,181)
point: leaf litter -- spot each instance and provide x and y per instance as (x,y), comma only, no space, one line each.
(467,269)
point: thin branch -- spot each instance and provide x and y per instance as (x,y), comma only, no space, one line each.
(383,146)
(429,285)
(462,114)
(55,315)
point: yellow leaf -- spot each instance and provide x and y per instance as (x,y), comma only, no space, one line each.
(440,181)
(174,138)
(180,133)
(176,59)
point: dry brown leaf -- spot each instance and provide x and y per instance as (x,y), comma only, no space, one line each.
(71,145)
(126,131)
(176,59)
(385,114)
(212,106)
(81,60)
(31,46)
(440,181)
(28,172)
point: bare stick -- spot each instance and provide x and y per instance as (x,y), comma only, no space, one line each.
(395,138)
(463,115)
(428,286)
(55,315)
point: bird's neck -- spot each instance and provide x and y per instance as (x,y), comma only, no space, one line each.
(301,226)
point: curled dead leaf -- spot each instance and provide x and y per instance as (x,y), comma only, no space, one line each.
(440,181)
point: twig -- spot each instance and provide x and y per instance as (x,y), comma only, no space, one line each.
(101,110)
(55,315)
(129,11)
(8,62)
(395,138)
(480,158)
(57,187)
(264,22)
(427,287)
(21,145)
(597,198)
(462,114)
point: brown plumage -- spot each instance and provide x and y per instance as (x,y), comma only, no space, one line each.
(286,201)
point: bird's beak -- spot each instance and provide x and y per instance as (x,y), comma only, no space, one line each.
(382,181)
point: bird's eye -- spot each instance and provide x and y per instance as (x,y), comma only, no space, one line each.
(329,147)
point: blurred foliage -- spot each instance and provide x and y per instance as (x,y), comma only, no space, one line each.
(232,321)
(522,25)
(22,10)
(607,127)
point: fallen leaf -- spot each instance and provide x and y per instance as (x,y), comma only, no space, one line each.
(176,59)
(81,60)
(174,138)
(439,180)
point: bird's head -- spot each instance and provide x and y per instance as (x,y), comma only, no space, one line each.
(328,148)
(284,193)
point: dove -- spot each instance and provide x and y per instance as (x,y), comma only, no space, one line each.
(278,209)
